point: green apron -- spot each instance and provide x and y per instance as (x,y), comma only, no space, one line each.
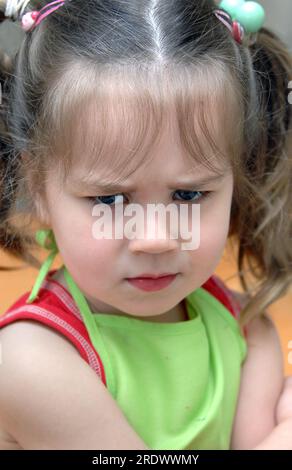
(176,383)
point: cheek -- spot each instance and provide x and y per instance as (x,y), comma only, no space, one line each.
(213,240)
(91,256)
(91,262)
(214,229)
(80,251)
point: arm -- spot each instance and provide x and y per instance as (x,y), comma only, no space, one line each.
(279,439)
(261,385)
(281,436)
(51,399)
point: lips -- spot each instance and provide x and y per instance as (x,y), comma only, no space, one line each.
(150,284)
(152,276)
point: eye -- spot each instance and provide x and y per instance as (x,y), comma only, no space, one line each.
(108,200)
(188,196)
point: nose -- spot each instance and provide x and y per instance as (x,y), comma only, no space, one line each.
(152,245)
(156,238)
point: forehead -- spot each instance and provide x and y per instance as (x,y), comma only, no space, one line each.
(122,124)
(166,160)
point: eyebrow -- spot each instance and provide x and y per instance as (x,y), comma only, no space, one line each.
(83,184)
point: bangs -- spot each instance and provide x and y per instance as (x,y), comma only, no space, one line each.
(110,118)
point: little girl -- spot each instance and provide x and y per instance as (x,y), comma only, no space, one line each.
(135,343)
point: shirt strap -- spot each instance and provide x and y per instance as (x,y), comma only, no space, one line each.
(45,239)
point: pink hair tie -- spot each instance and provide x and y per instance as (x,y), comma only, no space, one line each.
(234,27)
(33,18)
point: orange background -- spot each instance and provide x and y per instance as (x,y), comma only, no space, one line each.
(15,283)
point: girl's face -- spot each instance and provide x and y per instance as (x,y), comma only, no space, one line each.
(100,267)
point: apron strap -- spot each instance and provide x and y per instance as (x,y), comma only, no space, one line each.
(45,239)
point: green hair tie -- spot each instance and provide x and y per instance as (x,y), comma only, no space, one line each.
(251,15)
(45,239)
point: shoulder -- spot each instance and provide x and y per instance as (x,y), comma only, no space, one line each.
(51,399)
(28,338)
(261,384)
(264,342)
(262,327)
(31,355)
(38,373)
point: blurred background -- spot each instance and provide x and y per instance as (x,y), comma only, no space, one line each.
(15,283)
(279,14)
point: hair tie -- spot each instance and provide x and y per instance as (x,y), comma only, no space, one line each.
(33,18)
(243,19)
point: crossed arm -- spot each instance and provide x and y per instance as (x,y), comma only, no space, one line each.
(263,419)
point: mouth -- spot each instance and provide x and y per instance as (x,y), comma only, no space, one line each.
(150,282)
(152,276)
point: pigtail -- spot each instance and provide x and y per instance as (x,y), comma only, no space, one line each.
(10,242)
(13,241)
(265,228)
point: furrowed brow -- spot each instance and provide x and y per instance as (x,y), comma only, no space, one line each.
(100,186)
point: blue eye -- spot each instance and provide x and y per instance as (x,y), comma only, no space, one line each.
(190,195)
(187,196)
(108,200)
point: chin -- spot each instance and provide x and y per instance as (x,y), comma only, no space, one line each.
(150,310)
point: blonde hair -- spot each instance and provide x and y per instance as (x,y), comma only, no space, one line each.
(118,69)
